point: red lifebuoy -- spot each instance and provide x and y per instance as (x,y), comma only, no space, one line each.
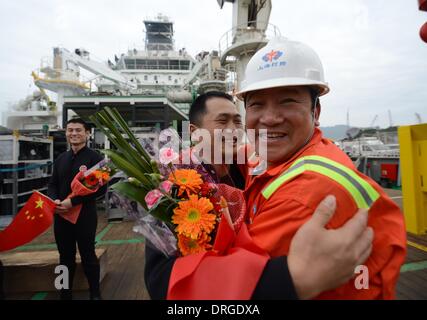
(423,32)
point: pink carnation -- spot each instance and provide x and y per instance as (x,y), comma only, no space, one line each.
(166,186)
(153,197)
(167,155)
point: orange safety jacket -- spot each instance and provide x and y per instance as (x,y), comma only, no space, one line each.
(283,198)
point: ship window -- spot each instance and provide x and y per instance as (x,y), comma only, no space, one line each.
(155,78)
(174,64)
(145,77)
(170,78)
(130,63)
(163,64)
(157,64)
(176,81)
(151,64)
(139,63)
(184,64)
(179,64)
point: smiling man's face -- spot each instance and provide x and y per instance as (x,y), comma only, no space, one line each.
(76,133)
(286,114)
(221,114)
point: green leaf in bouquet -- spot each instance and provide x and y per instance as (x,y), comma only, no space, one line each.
(163,210)
(131,191)
(114,116)
(135,181)
(155,178)
(154,166)
(128,168)
(102,120)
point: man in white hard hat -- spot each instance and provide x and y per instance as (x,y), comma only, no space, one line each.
(281,90)
(313,243)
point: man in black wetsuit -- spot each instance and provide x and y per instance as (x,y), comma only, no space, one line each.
(83,232)
(312,245)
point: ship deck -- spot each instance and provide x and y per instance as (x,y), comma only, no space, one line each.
(125,269)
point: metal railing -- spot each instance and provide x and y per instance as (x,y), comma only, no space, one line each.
(247,31)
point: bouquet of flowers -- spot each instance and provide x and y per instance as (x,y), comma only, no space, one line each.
(87,182)
(95,177)
(195,208)
(184,209)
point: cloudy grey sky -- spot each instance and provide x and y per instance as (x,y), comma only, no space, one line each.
(373,56)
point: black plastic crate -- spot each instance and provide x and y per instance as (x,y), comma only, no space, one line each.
(6,207)
(7,188)
(8,174)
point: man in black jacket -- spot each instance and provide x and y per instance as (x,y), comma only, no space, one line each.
(83,232)
(312,245)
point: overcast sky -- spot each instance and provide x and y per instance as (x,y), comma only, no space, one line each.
(373,57)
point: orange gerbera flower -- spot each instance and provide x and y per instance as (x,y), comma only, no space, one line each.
(192,217)
(187,245)
(102,175)
(105,176)
(91,180)
(188,180)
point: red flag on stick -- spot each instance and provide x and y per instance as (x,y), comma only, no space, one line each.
(31,221)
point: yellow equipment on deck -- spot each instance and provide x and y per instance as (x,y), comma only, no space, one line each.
(413,161)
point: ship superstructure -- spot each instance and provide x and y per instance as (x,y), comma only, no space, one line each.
(152,87)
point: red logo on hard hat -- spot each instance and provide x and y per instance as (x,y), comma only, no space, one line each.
(272,55)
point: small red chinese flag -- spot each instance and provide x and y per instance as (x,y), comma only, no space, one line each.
(31,221)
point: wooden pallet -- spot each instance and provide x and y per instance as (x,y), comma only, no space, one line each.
(34,271)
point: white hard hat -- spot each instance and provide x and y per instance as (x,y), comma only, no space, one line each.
(283,63)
